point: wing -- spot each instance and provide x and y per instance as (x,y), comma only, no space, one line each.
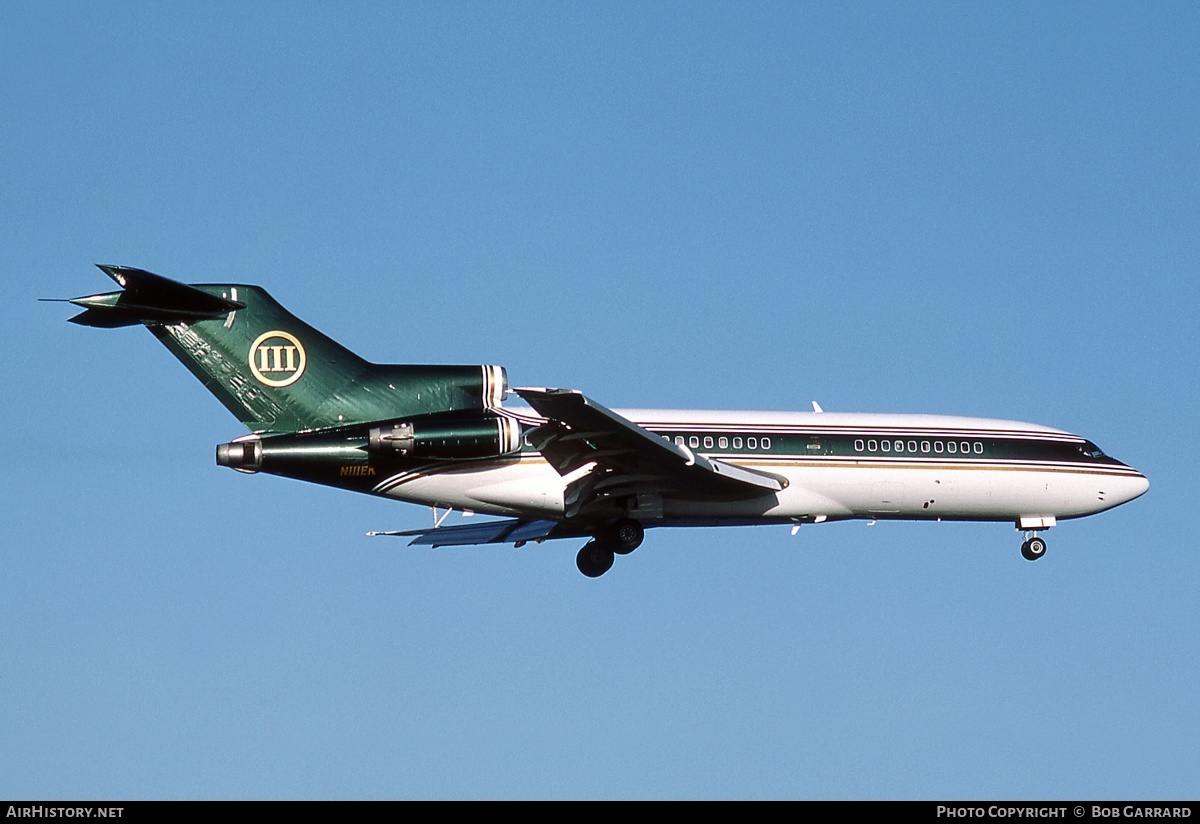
(511,530)
(628,459)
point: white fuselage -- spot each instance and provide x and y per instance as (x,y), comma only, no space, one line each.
(836,466)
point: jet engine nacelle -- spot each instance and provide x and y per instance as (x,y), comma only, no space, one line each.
(294,455)
(486,436)
(349,452)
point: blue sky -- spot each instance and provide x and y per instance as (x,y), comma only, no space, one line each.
(975,209)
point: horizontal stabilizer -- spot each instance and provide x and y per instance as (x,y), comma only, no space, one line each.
(149,298)
(101,319)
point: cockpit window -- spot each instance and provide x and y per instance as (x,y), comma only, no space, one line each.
(1091,450)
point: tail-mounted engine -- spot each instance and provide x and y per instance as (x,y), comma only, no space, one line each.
(346,451)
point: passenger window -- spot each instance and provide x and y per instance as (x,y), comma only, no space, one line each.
(737,443)
(858,446)
(693,441)
(752,443)
(679,440)
(723,443)
(708,442)
(872,446)
(924,446)
(766,443)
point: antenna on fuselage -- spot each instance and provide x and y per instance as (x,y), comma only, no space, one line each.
(817,407)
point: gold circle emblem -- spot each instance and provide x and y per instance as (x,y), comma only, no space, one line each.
(277,358)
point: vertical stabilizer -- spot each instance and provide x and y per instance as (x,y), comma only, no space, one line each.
(273,371)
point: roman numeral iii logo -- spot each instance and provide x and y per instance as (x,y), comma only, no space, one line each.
(277,358)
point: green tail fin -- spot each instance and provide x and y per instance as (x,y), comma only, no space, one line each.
(273,371)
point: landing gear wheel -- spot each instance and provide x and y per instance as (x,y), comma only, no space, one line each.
(1033,549)
(594,559)
(625,536)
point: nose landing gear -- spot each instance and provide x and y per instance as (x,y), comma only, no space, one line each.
(1033,547)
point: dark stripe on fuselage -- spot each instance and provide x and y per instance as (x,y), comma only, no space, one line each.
(883,445)
(810,440)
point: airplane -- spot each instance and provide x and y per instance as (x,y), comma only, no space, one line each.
(566,467)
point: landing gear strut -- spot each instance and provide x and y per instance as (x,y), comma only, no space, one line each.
(597,555)
(1033,548)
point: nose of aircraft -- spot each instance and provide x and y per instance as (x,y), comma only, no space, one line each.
(1133,487)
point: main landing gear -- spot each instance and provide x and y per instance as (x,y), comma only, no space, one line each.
(598,554)
(1033,547)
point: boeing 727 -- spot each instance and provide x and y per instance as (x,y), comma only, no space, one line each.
(566,467)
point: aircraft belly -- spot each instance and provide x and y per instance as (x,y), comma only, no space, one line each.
(531,488)
(798,499)
(964,494)
(950,493)
(1063,494)
(521,488)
